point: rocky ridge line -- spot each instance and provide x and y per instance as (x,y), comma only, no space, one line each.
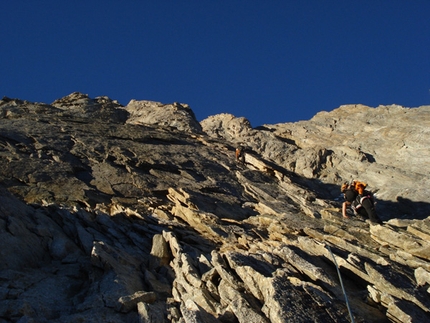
(143,221)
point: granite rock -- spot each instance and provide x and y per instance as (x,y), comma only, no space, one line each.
(141,214)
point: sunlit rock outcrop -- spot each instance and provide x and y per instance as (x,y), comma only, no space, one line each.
(141,214)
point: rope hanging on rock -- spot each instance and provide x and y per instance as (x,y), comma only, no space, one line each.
(341,284)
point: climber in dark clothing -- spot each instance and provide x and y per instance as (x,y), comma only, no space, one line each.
(368,209)
(360,200)
(350,194)
(365,203)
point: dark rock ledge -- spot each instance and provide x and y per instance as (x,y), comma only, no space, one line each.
(107,215)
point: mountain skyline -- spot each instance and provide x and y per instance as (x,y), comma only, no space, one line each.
(271,63)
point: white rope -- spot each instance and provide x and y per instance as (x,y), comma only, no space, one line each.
(341,284)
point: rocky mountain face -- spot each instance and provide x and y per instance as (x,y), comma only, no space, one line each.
(139,213)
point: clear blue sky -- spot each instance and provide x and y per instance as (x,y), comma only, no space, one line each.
(270,61)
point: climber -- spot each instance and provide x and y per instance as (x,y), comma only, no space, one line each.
(240,154)
(350,195)
(360,200)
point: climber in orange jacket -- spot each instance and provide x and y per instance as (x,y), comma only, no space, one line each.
(360,200)
(240,154)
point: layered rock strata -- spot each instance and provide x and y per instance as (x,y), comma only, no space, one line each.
(152,220)
(387,147)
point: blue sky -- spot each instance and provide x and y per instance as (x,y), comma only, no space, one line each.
(270,61)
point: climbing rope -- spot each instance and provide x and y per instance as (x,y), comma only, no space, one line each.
(341,284)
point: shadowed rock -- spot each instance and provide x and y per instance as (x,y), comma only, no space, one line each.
(141,214)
